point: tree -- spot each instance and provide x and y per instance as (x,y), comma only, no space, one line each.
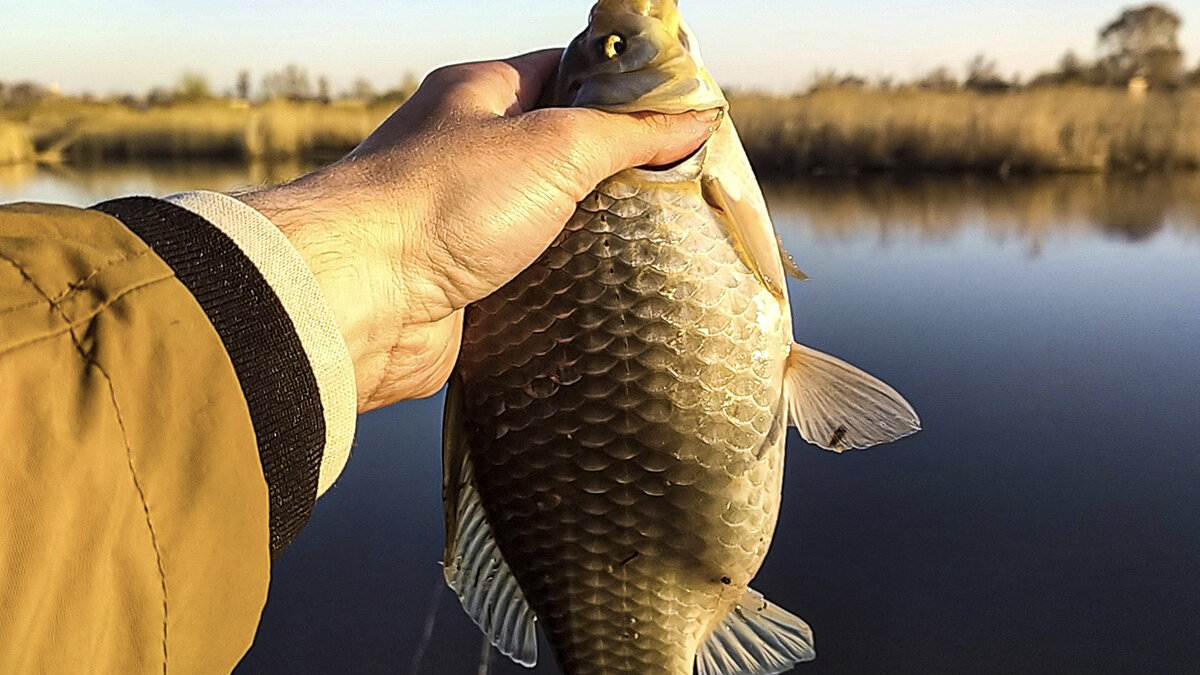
(400,94)
(362,90)
(938,79)
(242,87)
(291,82)
(159,96)
(1071,68)
(193,86)
(1143,41)
(23,94)
(831,79)
(984,75)
(323,89)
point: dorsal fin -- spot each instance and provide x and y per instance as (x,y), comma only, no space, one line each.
(838,407)
(755,638)
(473,564)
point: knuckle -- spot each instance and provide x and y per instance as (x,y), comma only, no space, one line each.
(442,75)
(574,142)
(463,83)
(463,73)
(553,127)
(576,147)
(454,78)
(656,122)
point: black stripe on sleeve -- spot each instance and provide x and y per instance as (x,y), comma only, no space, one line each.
(272,368)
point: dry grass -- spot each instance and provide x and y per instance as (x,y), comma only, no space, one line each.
(1068,129)
(1044,130)
(81,132)
(15,145)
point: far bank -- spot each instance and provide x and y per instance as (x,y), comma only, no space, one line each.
(1069,129)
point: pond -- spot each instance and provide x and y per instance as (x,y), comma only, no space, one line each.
(1047,520)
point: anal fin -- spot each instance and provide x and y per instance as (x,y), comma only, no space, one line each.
(755,638)
(473,564)
(838,407)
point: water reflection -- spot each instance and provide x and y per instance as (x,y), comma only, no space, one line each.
(1051,498)
(1133,208)
(14,176)
(87,184)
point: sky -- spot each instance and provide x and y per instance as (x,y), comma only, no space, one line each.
(778,45)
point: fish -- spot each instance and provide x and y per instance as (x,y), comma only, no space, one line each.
(614,428)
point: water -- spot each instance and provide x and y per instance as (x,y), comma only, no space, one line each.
(1046,521)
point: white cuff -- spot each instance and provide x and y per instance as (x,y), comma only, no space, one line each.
(297,289)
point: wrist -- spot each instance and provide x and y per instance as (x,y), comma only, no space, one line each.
(300,211)
(351,236)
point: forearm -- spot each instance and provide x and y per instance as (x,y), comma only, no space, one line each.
(150,383)
(359,235)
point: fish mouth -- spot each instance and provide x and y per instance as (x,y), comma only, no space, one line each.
(668,97)
(665,108)
(668,88)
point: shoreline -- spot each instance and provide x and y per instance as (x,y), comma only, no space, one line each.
(834,132)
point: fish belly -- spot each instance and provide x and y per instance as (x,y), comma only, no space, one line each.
(623,409)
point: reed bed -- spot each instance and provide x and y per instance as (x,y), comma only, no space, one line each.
(15,144)
(1045,130)
(1069,129)
(219,130)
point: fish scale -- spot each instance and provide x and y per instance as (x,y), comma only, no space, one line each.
(631,488)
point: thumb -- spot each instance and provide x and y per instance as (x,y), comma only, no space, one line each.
(600,144)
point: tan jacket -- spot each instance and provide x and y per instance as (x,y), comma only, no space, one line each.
(152,460)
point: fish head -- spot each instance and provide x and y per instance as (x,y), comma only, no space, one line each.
(636,56)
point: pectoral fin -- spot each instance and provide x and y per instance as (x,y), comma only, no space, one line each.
(750,228)
(473,564)
(755,638)
(838,407)
(789,263)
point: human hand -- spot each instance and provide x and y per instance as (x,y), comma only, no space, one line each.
(462,188)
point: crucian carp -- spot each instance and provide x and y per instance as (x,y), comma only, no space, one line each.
(614,429)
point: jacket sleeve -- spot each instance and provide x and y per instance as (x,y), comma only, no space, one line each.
(169,421)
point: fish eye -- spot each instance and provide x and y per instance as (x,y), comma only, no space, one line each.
(614,46)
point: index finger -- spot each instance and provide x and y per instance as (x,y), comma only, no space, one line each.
(532,72)
(506,87)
